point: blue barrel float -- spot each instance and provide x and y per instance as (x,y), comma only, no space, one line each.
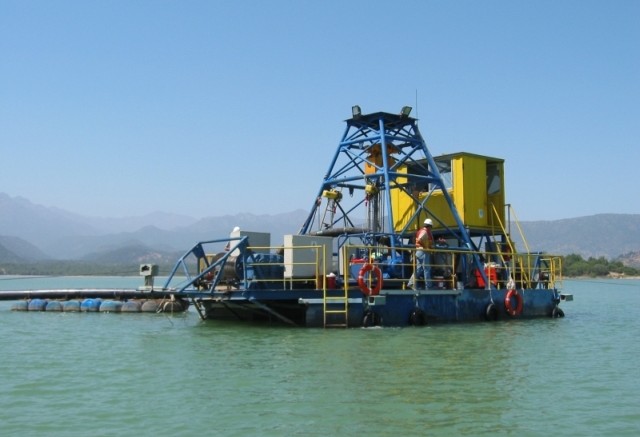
(110,306)
(21,305)
(149,306)
(173,306)
(54,305)
(71,306)
(37,305)
(131,306)
(90,305)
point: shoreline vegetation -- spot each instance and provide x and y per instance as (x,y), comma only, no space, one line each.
(573,267)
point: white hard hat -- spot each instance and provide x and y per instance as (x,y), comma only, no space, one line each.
(428,222)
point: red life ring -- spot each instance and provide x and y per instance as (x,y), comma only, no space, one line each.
(519,303)
(377,286)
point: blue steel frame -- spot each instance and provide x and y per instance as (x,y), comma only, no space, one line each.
(397,137)
(198,253)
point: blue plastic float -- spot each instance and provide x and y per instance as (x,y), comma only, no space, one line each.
(21,305)
(150,306)
(110,306)
(131,306)
(71,306)
(90,305)
(37,304)
(54,305)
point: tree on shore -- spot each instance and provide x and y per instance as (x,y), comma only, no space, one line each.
(575,265)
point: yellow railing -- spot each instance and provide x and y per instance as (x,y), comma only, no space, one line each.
(519,270)
(309,266)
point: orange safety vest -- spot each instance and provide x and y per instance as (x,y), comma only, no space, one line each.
(421,241)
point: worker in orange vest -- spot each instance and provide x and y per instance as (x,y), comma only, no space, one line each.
(424,245)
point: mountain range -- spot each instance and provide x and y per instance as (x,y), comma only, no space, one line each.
(31,232)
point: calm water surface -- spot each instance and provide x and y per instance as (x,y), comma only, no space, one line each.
(70,374)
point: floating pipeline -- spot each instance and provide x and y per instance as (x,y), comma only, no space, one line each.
(94,300)
(95,305)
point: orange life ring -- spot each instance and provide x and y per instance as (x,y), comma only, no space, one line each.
(519,303)
(377,286)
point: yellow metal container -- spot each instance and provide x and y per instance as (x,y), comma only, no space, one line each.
(475,184)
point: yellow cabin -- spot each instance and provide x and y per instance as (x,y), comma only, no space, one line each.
(476,185)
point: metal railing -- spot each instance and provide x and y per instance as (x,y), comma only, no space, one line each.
(454,268)
(243,267)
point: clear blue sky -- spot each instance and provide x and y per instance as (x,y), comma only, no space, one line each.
(117,108)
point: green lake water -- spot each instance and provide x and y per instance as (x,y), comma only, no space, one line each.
(79,374)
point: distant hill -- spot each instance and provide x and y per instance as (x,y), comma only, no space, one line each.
(133,255)
(181,239)
(38,224)
(631,259)
(14,249)
(6,256)
(608,235)
(62,234)
(34,232)
(57,234)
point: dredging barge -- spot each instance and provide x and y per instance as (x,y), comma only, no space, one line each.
(352,263)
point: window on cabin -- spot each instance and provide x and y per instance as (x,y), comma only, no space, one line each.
(493,178)
(444,168)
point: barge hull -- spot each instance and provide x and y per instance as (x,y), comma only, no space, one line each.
(396,308)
